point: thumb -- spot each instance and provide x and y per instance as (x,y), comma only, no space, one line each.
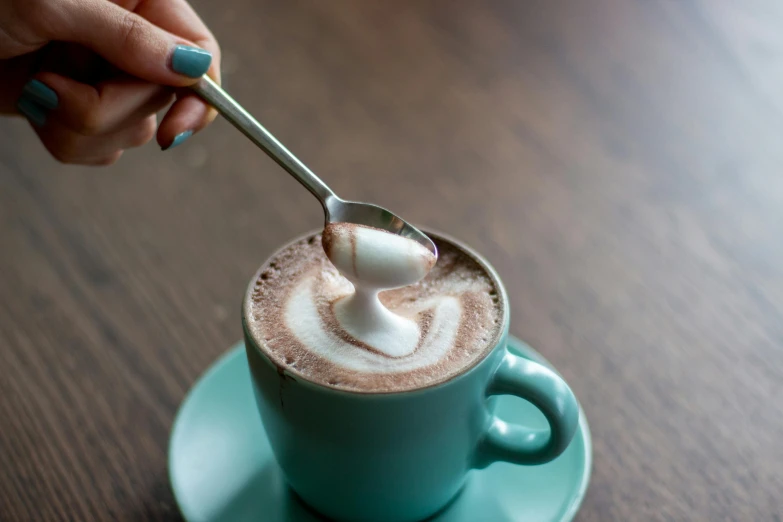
(128,41)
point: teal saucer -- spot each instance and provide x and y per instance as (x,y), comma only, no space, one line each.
(222,469)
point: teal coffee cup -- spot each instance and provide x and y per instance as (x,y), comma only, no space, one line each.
(403,456)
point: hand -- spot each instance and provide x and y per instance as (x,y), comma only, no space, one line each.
(90,75)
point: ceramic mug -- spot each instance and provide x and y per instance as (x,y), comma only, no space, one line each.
(402,456)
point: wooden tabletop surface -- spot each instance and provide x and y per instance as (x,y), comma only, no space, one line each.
(619,162)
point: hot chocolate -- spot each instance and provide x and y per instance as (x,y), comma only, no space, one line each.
(377,324)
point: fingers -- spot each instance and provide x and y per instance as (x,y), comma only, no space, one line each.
(106,107)
(186,116)
(158,42)
(71,147)
(189,114)
(92,125)
(124,38)
(15,73)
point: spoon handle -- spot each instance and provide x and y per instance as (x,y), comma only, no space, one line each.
(249,126)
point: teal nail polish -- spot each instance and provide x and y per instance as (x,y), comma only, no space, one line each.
(41,94)
(190,61)
(32,111)
(179,138)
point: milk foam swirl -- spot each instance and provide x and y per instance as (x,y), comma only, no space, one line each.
(296,303)
(375,260)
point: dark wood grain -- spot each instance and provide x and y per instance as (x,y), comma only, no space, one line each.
(618,161)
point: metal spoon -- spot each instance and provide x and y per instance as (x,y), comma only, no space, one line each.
(335,209)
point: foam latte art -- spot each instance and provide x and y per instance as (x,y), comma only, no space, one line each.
(312,330)
(373,319)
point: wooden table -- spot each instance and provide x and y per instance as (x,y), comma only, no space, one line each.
(618,162)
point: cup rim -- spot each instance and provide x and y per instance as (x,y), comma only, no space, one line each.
(502,332)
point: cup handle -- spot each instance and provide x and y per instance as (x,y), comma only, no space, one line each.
(546,391)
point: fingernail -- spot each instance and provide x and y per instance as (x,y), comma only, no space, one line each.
(32,111)
(40,93)
(179,139)
(190,61)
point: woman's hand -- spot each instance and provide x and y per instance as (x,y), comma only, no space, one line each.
(90,75)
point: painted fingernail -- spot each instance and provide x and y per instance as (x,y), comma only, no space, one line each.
(40,93)
(179,139)
(190,61)
(32,111)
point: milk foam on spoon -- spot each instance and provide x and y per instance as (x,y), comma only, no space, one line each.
(374,260)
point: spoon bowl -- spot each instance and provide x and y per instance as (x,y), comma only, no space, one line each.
(335,209)
(340,211)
